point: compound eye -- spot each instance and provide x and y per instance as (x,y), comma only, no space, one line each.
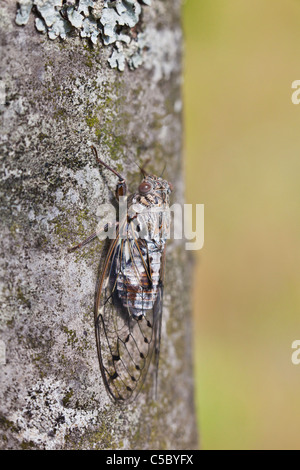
(145,187)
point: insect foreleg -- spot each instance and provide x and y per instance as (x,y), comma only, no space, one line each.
(90,238)
(83,243)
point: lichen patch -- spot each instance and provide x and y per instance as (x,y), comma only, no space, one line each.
(102,21)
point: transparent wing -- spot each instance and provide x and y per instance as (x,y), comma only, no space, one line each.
(128,309)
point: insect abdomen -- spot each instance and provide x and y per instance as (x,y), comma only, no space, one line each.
(138,281)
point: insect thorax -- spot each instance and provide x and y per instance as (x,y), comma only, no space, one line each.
(150,212)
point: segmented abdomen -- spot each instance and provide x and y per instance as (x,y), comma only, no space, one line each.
(139,274)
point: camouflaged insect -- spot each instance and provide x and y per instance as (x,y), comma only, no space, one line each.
(129,293)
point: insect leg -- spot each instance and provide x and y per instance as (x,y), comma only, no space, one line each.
(83,243)
(89,239)
(121,185)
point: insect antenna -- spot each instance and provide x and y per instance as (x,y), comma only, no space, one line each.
(163,171)
(142,168)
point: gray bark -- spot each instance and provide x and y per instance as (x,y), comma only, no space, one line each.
(58,97)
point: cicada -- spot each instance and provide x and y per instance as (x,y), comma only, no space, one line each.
(129,290)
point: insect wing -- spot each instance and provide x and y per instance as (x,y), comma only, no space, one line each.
(126,340)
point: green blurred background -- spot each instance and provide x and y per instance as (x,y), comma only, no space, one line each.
(242,150)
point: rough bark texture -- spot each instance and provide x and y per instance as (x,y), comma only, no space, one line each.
(59,97)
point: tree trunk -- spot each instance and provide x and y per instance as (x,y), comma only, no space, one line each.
(57,97)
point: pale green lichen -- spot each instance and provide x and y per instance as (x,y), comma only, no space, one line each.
(23,12)
(125,13)
(110,21)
